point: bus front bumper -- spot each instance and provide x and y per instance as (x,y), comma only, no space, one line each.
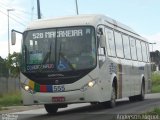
(77,96)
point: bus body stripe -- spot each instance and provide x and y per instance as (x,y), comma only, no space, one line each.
(49,88)
(37,87)
(40,88)
(43,88)
(31,84)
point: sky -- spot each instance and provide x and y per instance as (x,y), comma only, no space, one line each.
(141,15)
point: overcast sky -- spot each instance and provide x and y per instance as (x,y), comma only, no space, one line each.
(141,15)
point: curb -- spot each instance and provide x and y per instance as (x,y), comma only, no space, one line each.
(12,109)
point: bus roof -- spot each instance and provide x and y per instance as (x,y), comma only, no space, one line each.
(77,20)
(93,20)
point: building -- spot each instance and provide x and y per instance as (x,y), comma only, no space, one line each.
(155,60)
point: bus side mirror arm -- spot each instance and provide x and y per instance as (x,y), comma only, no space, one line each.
(13,36)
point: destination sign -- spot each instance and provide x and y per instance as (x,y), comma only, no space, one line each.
(60,33)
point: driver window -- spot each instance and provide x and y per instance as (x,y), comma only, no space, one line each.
(101,53)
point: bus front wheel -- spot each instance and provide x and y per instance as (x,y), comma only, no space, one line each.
(112,102)
(51,109)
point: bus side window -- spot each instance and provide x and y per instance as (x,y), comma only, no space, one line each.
(144,51)
(31,44)
(119,44)
(110,42)
(139,50)
(126,44)
(148,55)
(133,48)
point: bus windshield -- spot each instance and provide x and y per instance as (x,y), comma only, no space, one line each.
(59,49)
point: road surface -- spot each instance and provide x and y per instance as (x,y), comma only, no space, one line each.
(93,112)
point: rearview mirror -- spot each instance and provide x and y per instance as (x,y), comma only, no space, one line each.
(13,37)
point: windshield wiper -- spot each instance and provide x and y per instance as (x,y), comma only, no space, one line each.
(66,60)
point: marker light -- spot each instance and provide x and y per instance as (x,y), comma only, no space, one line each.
(91,83)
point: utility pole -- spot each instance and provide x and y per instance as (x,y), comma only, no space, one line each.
(38,9)
(76,7)
(9,10)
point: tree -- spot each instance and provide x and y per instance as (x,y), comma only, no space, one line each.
(13,64)
(3,68)
(157,57)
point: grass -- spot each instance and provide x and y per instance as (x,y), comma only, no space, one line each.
(156,111)
(155,83)
(10,99)
(152,115)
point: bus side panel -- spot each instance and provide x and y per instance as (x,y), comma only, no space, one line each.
(147,74)
(105,79)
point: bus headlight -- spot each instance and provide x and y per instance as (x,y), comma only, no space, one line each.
(91,83)
(27,88)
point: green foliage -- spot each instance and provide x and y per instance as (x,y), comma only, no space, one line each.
(156,82)
(3,68)
(156,111)
(13,64)
(10,99)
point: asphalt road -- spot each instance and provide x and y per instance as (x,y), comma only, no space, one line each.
(93,112)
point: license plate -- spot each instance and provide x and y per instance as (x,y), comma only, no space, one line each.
(58,88)
(58,99)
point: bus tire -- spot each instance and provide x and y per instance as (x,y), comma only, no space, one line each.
(133,98)
(142,95)
(112,102)
(138,97)
(51,108)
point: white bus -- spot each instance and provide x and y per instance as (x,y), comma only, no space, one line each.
(81,59)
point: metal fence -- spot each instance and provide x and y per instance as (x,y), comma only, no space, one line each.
(8,85)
